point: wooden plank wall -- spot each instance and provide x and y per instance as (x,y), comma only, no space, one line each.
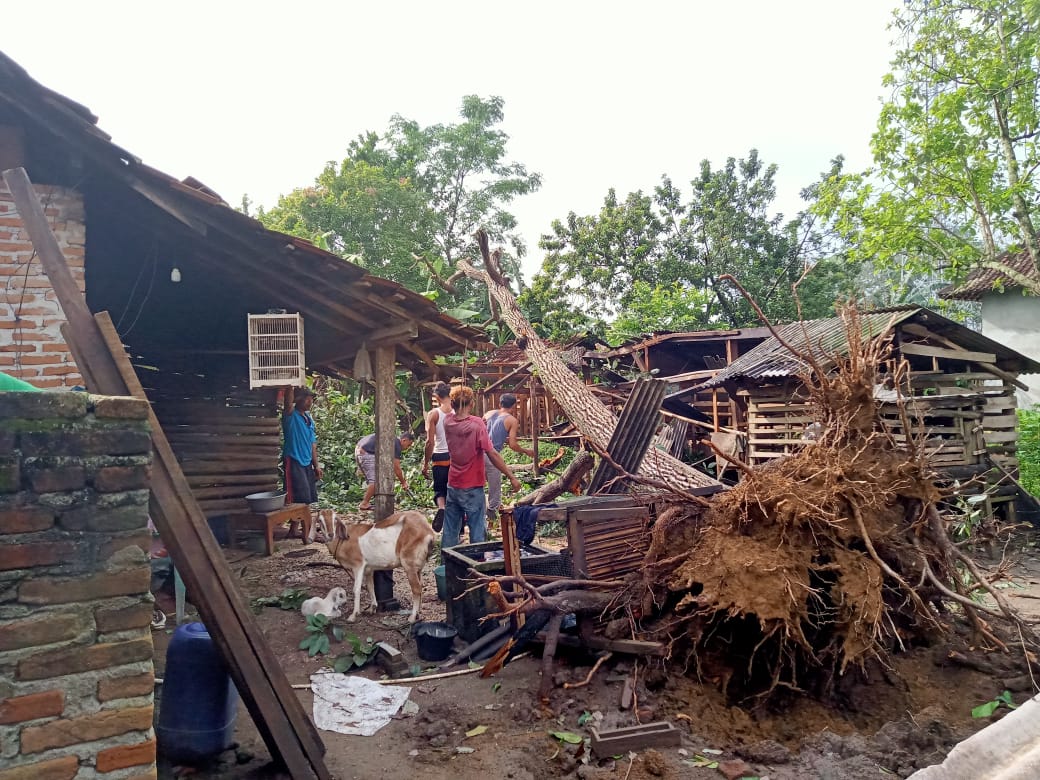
(227,446)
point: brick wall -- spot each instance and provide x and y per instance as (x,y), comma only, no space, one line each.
(76,674)
(31,344)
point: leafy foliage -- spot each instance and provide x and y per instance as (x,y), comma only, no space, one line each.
(288,599)
(361,652)
(404,203)
(1029,449)
(989,707)
(652,262)
(343,414)
(319,628)
(954,180)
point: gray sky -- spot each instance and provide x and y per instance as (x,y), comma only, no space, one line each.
(256,97)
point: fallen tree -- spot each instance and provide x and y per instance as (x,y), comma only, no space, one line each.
(830,559)
(593,420)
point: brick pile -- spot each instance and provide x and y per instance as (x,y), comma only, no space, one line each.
(76,674)
(31,345)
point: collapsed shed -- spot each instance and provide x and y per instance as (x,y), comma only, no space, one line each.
(963,385)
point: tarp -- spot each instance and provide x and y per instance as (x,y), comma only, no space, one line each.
(9,384)
(354,705)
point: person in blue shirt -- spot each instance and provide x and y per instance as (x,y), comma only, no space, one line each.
(300,447)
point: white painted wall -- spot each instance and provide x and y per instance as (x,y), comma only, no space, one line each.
(1013,319)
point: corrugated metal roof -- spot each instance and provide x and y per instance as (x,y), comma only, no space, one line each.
(984,280)
(825,338)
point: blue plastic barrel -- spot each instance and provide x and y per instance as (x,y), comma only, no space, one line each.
(199,702)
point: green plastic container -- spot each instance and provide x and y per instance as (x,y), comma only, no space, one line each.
(442,582)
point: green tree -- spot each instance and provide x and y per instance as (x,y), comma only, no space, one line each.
(404,203)
(955,152)
(655,261)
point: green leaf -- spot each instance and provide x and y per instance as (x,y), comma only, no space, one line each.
(985,710)
(568,736)
(496,687)
(343,663)
(476,731)
(584,718)
(337,632)
(360,659)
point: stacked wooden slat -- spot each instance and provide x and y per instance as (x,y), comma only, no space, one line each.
(608,543)
(948,427)
(227,447)
(776,426)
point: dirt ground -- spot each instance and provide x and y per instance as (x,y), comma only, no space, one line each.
(887,723)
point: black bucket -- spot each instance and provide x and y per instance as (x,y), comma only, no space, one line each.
(433,640)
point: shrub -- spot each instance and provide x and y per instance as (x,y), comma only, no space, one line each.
(1029,449)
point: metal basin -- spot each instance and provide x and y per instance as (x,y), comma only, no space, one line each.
(266,502)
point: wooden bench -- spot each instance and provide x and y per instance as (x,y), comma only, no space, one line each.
(267,521)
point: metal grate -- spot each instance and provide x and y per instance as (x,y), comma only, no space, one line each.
(276,350)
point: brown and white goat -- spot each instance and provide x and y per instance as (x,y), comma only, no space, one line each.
(402,540)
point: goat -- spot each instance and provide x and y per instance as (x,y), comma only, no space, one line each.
(328,606)
(403,540)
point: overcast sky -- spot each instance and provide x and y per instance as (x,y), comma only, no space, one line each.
(256,97)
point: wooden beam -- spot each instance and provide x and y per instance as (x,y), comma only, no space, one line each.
(498,383)
(277,712)
(919,330)
(392,334)
(926,350)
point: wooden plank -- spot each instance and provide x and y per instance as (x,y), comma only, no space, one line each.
(276,711)
(926,350)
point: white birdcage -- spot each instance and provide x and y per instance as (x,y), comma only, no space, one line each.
(276,350)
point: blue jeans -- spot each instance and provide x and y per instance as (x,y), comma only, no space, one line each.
(469,503)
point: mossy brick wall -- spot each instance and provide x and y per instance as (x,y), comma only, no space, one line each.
(31,345)
(76,674)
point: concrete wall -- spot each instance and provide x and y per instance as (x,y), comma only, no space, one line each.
(76,674)
(31,344)
(1013,319)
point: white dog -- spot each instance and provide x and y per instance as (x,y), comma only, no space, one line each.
(328,606)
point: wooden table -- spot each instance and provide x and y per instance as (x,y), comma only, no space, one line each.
(266,522)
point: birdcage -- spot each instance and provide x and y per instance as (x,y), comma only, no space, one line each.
(276,350)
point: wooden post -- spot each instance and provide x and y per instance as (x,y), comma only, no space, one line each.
(277,713)
(536,422)
(386,431)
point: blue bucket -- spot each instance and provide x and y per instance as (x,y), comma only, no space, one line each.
(199,702)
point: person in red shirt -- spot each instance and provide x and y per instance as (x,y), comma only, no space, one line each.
(468,443)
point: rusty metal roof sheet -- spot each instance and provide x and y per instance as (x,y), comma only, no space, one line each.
(984,280)
(826,338)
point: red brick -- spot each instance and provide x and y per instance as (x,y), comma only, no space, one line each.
(123,756)
(26,556)
(126,687)
(55,663)
(120,407)
(39,360)
(124,618)
(64,768)
(44,628)
(117,478)
(86,728)
(59,370)
(58,480)
(142,540)
(25,520)
(34,706)
(131,582)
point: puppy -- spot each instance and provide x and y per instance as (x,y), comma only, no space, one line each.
(328,606)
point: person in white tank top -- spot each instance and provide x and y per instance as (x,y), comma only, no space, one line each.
(437,450)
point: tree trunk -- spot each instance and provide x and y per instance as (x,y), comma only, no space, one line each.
(585,411)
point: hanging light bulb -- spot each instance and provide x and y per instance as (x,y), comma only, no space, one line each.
(175,274)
